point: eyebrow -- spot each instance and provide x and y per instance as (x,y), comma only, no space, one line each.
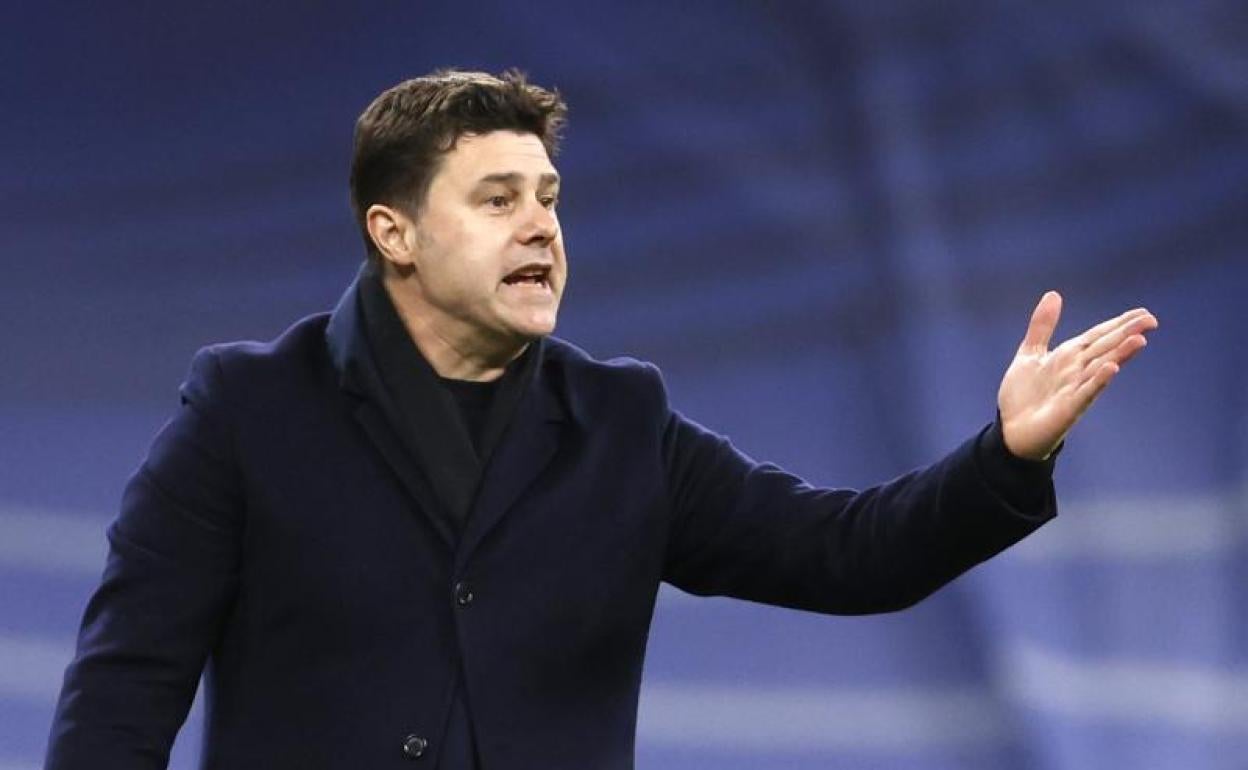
(515,177)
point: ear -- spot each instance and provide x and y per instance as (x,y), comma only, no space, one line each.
(393,233)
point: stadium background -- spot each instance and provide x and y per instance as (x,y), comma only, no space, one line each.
(826,222)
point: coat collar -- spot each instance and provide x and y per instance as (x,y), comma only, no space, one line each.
(353,361)
(348,348)
(528,442)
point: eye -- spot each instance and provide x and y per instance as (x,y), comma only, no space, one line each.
(549,201)
(497,201)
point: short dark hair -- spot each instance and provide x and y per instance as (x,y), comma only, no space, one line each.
(401,137)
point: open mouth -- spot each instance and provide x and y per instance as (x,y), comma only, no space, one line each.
(529,275)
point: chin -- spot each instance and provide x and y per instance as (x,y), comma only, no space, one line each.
(537,325)
(535,331)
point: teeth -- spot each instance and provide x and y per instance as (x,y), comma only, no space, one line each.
(536,279)
(537,276)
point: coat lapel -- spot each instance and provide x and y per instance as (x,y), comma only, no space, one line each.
(376,414)
(377,427)
(525,449)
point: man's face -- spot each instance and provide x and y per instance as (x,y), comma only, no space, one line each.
(489,253)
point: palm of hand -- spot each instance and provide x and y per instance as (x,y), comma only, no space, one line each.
(1044,392)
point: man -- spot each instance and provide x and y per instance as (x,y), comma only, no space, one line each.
(421,529)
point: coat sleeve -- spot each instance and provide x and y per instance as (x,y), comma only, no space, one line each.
(750,530)
(167,587)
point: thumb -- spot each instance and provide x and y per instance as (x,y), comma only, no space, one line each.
(1043,322)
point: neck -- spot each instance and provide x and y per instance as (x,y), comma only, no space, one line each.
(454,351)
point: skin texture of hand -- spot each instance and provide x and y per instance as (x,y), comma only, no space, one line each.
(1044,392)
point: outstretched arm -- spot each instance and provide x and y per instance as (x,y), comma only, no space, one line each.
(750,530)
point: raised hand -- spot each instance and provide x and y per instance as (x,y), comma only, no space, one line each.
(1044,392)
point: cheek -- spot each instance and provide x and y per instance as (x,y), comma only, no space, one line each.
(460,258)
(560,255)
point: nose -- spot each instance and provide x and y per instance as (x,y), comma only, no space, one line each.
(539,227)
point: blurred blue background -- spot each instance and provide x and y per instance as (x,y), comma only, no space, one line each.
(826,222)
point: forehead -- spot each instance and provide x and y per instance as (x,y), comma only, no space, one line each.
(479,155)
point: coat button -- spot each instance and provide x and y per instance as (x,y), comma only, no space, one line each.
(463,594)
(414,746)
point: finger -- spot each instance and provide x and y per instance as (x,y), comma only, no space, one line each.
(1043,322)
(1134,324)
(1091,389)
(1076,347)
(1124,352)
(1090,336)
